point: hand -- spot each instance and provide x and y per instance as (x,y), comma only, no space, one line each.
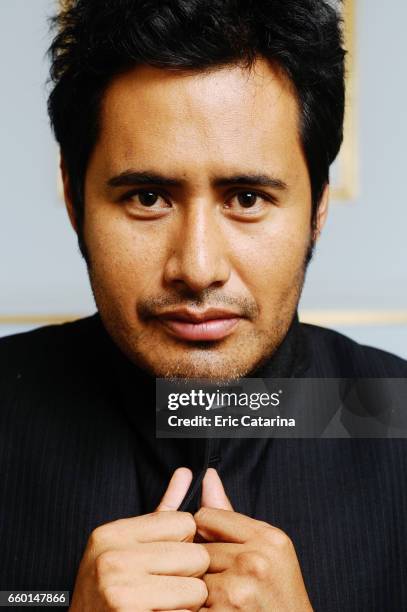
(145,563)
(253,566)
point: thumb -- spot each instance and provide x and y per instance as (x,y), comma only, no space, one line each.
(176,490)
(213,493)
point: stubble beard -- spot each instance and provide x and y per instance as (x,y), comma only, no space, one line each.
(203,359)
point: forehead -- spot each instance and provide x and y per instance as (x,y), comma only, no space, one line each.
(216,117)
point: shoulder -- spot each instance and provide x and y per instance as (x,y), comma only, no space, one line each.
(53,367)
(334,354)
(46,344)
(49,357)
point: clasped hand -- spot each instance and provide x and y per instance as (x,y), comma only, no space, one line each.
(217,560)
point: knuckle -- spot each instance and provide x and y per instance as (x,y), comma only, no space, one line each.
(201,514)
(200,590)
(204,557)
(106,563)
(96,536)
(278,539)
(199,555)
(100,535)
(241,596)
(264,526)
(163,548)
(188,522)
(253,563)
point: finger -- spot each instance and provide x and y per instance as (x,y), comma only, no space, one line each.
(176,559)
(225,526)
(217,596)
(172,593)
(159,559)
(213,492)
(221,555)
(176,490)
(173,526)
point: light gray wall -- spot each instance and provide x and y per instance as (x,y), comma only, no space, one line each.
(361,261)
(362,257)
(40,269)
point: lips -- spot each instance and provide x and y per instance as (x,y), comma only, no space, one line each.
(211,324)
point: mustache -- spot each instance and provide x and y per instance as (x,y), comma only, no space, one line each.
(154,306)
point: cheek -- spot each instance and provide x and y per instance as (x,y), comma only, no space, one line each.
(271,263)
(124,261)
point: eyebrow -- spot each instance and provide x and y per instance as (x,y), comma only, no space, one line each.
(259,180)
(130,178)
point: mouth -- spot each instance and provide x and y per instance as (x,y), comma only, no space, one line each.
(211,324)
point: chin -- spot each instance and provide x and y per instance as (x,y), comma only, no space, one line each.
(205,364)
(229,359)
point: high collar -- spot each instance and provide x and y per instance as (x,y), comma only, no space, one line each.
(135,389)
(135,395)
(291,357)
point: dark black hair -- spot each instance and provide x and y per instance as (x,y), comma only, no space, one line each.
(96,40)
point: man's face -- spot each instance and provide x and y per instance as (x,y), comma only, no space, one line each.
(198,218)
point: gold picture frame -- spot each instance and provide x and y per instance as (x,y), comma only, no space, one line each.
(344,171)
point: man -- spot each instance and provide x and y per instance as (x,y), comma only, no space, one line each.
(196,140)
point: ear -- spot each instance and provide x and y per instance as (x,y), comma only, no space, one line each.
(68,195)
(322,212)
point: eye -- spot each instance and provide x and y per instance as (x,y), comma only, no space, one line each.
(248,202)
(145,199)
(247,199)
(148,198)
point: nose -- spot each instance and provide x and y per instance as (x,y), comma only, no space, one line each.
(198,257)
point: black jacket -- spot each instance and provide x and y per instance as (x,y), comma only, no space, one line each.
(77,450)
